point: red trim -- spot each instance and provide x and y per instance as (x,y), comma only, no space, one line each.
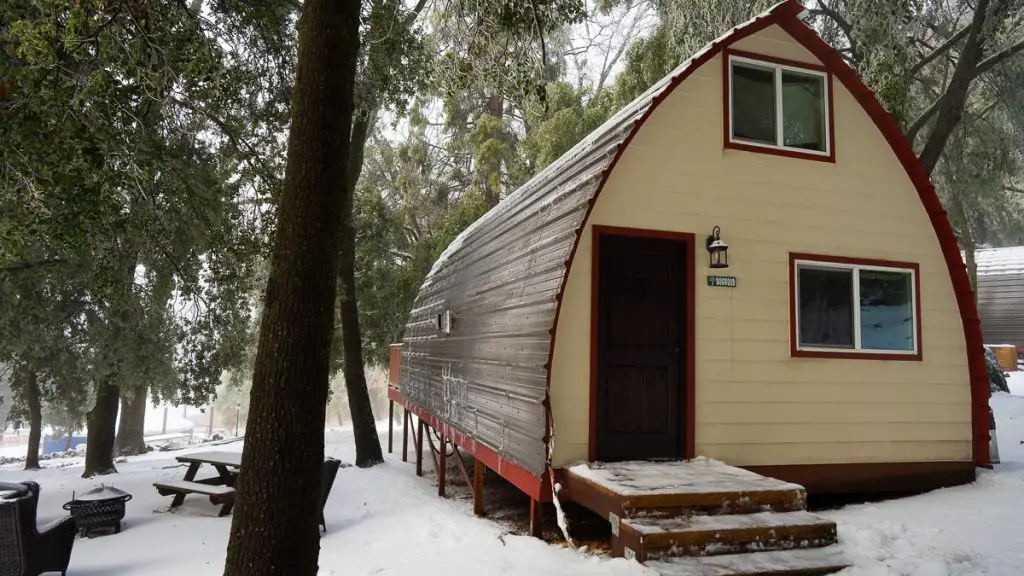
(788,10)
(688,428)
(786,152)
(795,352)
(536,487)
(775,60)
(595,273)
(940,223)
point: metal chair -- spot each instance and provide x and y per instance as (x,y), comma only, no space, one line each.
(12,561)
(48,550)
(330,472)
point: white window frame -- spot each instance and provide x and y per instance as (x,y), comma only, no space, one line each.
(856,268)
(779,120)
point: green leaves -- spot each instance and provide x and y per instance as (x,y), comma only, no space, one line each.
(139,146)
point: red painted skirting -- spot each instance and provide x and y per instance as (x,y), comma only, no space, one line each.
(536,487)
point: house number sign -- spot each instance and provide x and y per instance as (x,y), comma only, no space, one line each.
(722,281)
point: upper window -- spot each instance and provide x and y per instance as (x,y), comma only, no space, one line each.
(849,308)
(778,107)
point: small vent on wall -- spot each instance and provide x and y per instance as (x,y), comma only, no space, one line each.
(446,322)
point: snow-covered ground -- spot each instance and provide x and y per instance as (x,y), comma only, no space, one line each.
(387,521)
(967,530)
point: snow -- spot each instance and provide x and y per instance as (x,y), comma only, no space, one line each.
(385,521)
(788,561)
(966,530)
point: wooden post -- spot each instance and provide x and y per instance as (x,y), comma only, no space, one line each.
(391,424)
(478,487)
(405,435)
(442,466)
(420,427)
(536,518)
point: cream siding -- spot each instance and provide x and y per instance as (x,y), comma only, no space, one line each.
(755,405)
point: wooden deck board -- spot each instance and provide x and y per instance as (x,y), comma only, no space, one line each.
(813,561)
(697,476)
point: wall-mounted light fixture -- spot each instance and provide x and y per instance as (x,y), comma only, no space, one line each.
(718,251)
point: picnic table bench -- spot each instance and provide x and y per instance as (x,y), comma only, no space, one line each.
(219,494)
(220,488)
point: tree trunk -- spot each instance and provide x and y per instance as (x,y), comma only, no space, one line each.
(102,422)
(491,175)
(958,213)
(274,525)
(361,125)
(364,426)
(131,430)
(35,418)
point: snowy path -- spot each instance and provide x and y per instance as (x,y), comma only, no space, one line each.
(387,521)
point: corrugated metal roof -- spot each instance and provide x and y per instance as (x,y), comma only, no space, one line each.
(1001,294)
(1000,260)
(501,278)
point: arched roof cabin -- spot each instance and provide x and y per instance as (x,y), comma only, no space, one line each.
(581,320)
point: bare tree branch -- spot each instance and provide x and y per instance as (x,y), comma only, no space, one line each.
(951,105)
(998,58)
(26,264)
(939,51)
(922,119)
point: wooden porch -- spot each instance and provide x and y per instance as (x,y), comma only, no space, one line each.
(703,517)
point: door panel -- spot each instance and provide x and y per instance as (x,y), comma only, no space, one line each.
(640,303)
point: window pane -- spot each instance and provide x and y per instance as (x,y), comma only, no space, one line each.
(886,310)
(826,307)
(753,103)
(803,110)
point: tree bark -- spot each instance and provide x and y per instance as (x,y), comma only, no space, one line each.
(958,212)
(131,429)
(274,525)
(491,176)
(102,422)
(364,426)
(35,418)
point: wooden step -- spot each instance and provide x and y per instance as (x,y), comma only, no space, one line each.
(809,562)
(706,535)
(665,489)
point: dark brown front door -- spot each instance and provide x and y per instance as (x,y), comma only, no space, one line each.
(640,299)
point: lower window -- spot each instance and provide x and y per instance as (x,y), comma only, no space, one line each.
(851,306)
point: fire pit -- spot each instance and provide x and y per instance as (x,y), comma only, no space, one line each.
(101,507)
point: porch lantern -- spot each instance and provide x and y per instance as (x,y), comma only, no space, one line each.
(718,251)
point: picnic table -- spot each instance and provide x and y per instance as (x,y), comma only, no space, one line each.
(220,488)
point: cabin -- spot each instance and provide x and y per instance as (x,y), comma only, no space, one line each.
(1001,301)
(740,289)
